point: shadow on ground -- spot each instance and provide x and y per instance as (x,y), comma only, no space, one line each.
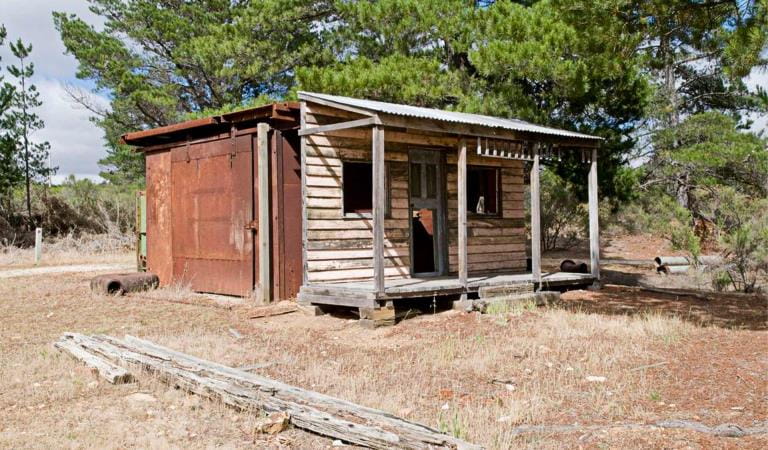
(726,310)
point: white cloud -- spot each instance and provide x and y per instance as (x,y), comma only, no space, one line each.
(76,143)
(32,21)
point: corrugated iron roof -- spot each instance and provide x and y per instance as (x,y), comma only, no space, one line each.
(445,116)
(286,111)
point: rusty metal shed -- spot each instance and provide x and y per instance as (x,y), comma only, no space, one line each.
(224,202)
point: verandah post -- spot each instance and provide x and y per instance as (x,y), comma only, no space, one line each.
(462,190)
(379,200)
(535,219)
(264,222)
(594,227)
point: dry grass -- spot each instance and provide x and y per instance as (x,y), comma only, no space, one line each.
(85,248)
(434,369)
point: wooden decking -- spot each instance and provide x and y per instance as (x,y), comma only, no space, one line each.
(362,293)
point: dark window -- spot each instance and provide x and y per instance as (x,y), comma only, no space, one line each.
(358,187)
(483,190)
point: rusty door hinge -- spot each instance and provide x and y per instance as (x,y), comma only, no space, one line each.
(252,225)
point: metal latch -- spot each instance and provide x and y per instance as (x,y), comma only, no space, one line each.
(252,225)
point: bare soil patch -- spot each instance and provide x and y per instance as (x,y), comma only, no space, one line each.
(727,310)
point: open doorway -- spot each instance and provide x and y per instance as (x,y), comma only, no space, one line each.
(427,213)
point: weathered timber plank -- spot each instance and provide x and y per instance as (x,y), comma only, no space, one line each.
(324,171)
(355,263)
(348,244)
(322,255)
(512,257)
(324,203)
(336,300)
(356,274)
(352,224)
(106,370)
(394,233)
(306,409)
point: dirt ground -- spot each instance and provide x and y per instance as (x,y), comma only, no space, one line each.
(475,376)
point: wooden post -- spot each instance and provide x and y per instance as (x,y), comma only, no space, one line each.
(265,283)
(594,227)
(535,219)
(462,190)
(379,200)
(303,150)
(38,245)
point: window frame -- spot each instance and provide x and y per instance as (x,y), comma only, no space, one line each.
(499,191)
(388,201)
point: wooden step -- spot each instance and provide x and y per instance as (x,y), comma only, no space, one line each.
(505,290)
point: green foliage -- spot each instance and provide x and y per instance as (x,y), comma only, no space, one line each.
(160,60)
(708,150)
(742,225)
(698,53)
(643,64)
(20,155)
(10,172)
(508,59)
(563,218)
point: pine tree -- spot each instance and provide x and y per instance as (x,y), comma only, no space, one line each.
(10,175)
(162,61)
(23,122)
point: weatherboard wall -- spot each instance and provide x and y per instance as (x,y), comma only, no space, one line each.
(339,247)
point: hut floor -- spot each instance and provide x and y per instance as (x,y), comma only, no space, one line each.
(362,294)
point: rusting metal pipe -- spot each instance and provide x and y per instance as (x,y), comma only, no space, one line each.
(704,260)
(672,261)
(667,269)
(120,283)
(571,266)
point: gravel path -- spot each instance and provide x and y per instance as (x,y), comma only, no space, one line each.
(12,273)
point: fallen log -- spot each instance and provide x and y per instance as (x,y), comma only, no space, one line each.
(110,372)
(319,413)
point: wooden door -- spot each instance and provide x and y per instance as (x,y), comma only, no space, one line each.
(427,211)
(212,213)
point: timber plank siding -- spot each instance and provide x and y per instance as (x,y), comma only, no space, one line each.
(340,248)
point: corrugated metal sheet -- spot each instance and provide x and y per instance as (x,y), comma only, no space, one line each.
(445,116)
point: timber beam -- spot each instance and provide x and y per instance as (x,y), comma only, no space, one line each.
(368,121)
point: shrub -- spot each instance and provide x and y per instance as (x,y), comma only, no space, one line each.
(564,219)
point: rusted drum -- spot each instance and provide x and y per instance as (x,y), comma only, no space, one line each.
(571,266)
(120,283)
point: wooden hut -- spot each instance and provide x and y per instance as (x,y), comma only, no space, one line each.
(402,201)
(349,202)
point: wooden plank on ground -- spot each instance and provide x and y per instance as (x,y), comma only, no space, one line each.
(106,370)
(319,413)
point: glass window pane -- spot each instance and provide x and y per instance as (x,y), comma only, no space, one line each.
(416,180)
(483,190)
(431,180)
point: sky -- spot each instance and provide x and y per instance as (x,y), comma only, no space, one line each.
(76,143)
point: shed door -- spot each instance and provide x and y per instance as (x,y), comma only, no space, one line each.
(212,204)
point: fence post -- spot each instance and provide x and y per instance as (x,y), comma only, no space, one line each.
(38,244)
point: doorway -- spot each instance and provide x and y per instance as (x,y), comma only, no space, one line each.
(427,213)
